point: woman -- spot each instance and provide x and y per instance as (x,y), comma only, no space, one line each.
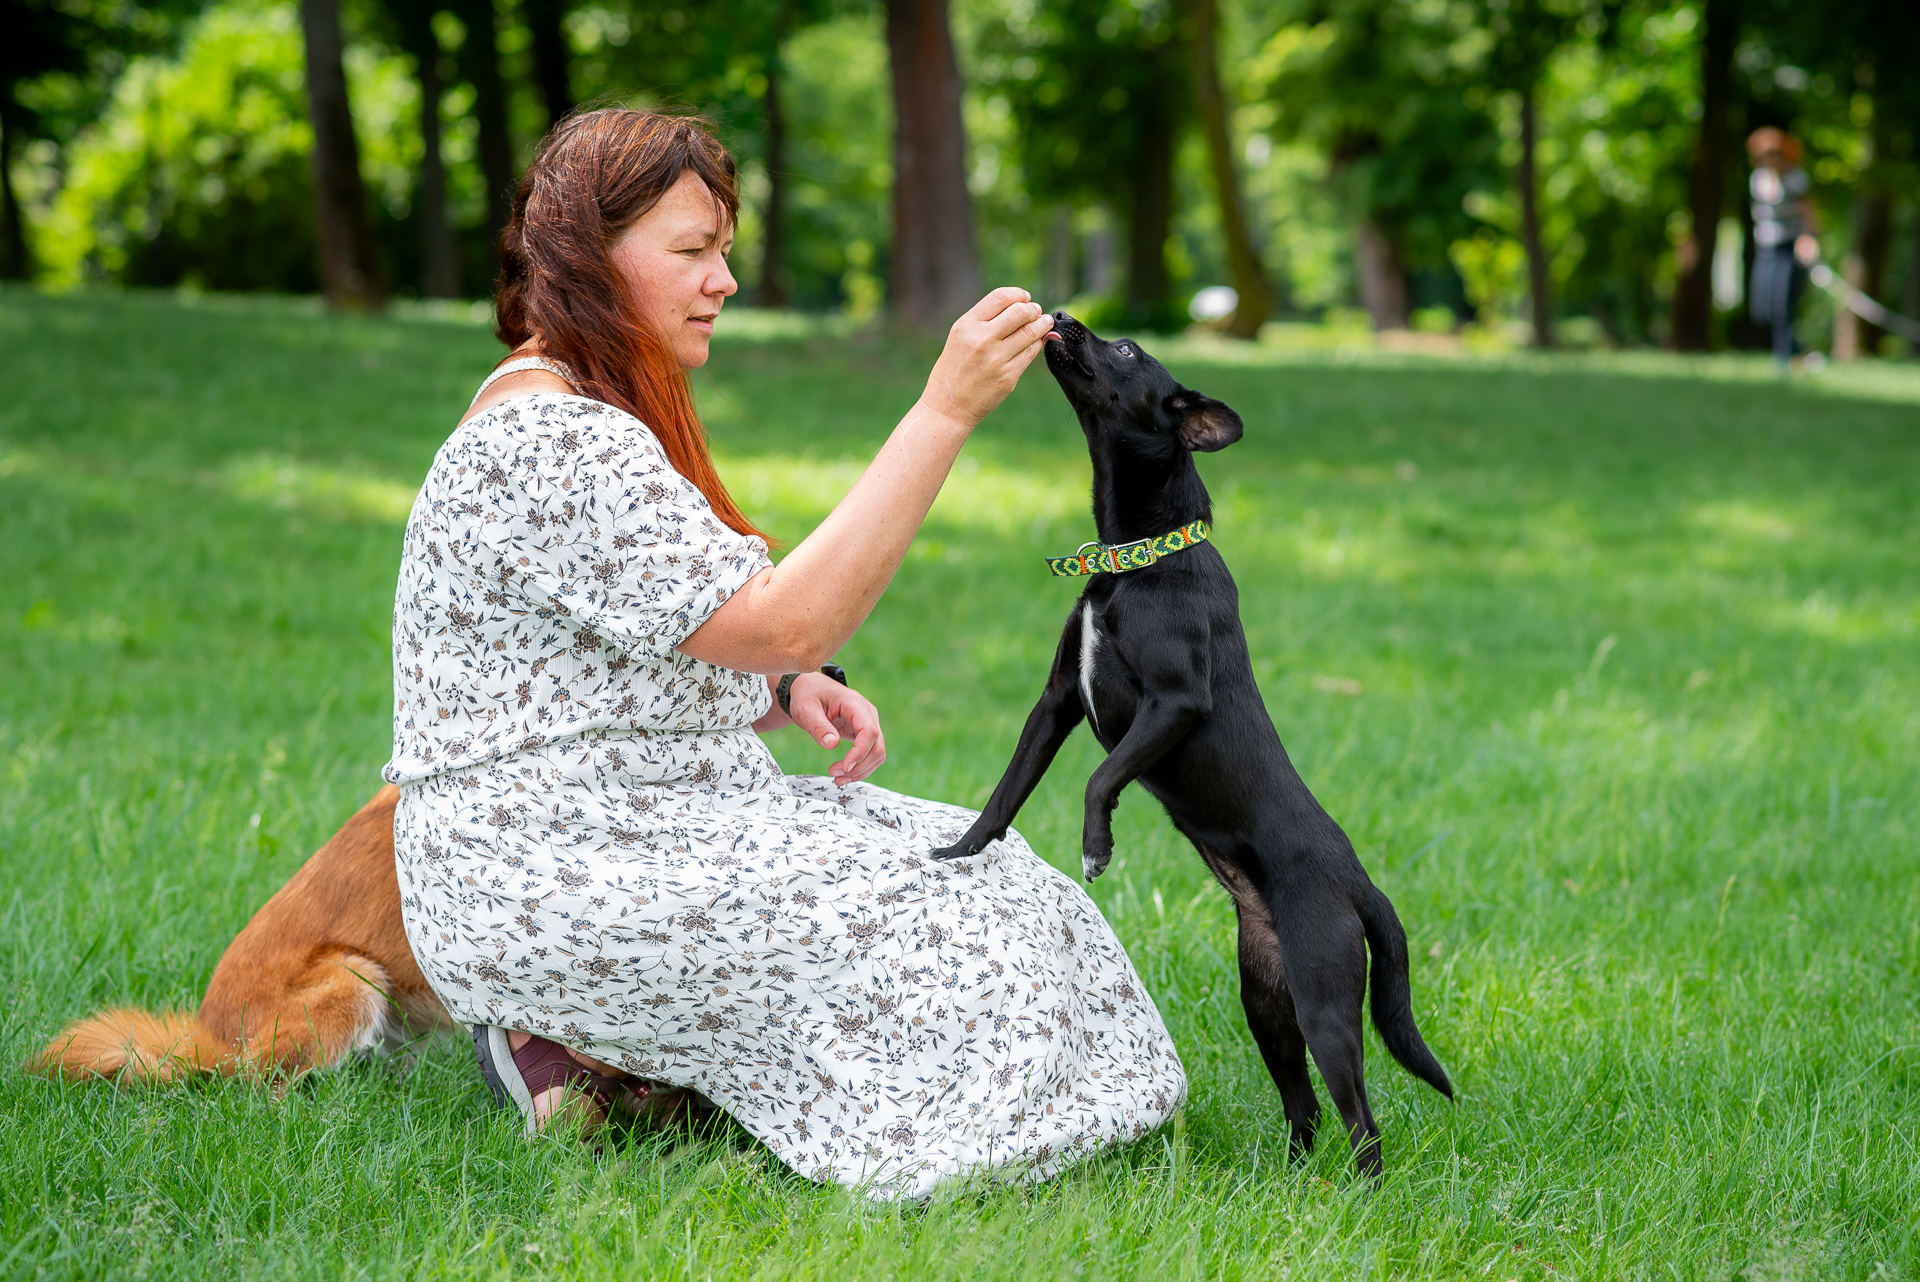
(603,870)
(1784,243)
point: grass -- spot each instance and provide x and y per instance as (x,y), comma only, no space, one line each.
(1608,665)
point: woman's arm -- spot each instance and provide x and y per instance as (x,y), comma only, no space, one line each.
(794,616)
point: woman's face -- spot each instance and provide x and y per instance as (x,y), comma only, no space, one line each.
(675,261)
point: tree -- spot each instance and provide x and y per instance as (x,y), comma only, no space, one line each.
(349,262)
(1706,179)
(1526,34)
(552,57)
(773,218)
(44,38)
(936,266)
(1201,20)
(439,252)
(730,61)
(1383,91)
(479,63)
(1618,108)
(1864,266)
(1098,88)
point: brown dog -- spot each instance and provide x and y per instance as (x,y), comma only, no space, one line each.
(322,970)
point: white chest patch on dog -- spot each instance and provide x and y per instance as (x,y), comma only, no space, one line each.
(1089,643)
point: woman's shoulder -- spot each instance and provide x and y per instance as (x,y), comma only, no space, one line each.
(542,430)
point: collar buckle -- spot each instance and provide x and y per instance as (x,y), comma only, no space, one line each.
(1137,555)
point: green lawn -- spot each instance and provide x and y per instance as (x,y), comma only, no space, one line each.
(1610,666)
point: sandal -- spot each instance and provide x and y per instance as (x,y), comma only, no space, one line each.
(518,1077)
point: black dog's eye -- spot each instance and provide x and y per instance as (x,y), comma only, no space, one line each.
(1125,349)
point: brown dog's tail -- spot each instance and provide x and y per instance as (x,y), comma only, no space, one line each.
(1393,991)
(137,1045)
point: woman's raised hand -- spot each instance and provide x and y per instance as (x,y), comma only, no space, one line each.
(797,615)
(832,714)
(987,350)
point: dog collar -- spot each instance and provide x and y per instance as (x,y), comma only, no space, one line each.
(1118,558)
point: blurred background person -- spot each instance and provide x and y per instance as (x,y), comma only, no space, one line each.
(1784,227)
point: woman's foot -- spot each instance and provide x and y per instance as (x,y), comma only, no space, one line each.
(543,1080)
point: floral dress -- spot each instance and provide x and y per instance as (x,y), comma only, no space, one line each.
(593,845)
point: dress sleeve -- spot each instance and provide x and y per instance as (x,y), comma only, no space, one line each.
(587,519)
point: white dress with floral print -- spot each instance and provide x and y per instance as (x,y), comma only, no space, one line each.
(593,845)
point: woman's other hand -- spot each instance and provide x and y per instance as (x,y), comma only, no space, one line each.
(987,350)
(834,715)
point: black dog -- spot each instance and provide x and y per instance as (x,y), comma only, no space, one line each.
(1156,659)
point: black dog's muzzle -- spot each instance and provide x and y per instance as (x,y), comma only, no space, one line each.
(1070,349)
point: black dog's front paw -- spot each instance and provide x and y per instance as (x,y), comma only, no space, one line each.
(1096,852)
(971,844)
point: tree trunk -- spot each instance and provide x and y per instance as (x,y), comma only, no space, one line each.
(1693,294)
(936,268)
(439,254)
(1383,281)
(16,262)
(1151,213)
(1540,284)
(773,219)
(349,265)
(1060,259)
(551,55)
(1243,260)
(1098,266)
(480,64)
(1865,266)
(1910,302)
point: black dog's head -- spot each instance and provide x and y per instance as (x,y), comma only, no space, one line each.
(1129,398)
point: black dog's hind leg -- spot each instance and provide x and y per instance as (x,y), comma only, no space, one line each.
(1269,1006)
(1326,965)
(1048,725)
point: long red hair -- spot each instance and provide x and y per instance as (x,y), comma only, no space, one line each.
(594,176)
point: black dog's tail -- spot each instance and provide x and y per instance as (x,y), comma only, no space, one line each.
(1393,992)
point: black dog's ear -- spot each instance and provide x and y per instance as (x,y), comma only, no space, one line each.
(1203,423)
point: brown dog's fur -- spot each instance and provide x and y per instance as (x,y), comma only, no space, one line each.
(322,970)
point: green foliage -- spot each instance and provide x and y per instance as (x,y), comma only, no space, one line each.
(833,88)
(1619,131)
(1632,748)
(165,148)
(1387,91)
(198,170)
(1087,80)
(840,158)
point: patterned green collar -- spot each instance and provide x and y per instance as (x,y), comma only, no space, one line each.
(1118,558)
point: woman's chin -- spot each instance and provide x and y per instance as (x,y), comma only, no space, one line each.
(692,351)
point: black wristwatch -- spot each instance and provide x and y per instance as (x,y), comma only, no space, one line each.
(783,691)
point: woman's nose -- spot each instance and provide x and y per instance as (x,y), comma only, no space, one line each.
(722,281)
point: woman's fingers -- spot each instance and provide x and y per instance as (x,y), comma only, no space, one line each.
(868,754)
(833,715)
(859,719)
(1010,322)
(810,710)
(995,304)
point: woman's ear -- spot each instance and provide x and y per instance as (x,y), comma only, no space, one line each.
(1203,423)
